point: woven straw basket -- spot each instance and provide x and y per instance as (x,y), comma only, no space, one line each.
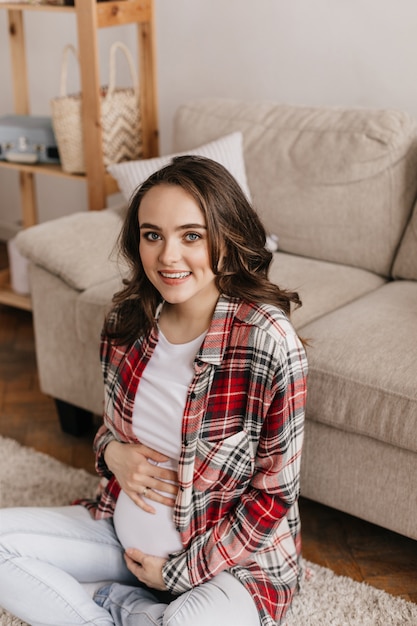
(120,117)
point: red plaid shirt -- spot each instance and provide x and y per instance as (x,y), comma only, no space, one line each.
(242,434)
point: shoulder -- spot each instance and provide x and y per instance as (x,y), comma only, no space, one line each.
(267,319)
(111,347)
(270,332)
(276,352)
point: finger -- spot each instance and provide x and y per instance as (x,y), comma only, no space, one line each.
(160,477)
(150,453)
(135,568)
(135,554)
(156,496)
(141,502)
(161,485)
(143,497)
(164,474)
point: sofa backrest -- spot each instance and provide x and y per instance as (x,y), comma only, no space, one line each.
(334,184)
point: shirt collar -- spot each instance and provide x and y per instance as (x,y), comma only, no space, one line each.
(216,341)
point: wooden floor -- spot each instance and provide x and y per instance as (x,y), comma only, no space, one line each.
(343,543)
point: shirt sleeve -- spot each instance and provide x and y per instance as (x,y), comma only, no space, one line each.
(101,441)
(104,435)
(273,489)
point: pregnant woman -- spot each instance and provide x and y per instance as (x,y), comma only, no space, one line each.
(200,447)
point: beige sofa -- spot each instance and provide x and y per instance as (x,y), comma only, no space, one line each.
(338,187)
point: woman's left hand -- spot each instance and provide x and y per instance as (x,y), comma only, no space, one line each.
(147,568)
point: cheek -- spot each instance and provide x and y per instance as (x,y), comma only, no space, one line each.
(147,260)
(202,258)
(145,255)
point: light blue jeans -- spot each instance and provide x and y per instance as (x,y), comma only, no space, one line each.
(50,557)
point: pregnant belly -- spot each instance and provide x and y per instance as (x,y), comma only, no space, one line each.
(153,533)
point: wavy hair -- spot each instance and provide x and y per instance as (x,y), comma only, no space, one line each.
(235,234)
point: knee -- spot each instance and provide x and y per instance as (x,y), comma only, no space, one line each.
(7,524)
(11,531)
(177,613)
(196,606)
(221,601)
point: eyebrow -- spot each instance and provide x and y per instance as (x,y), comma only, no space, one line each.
(147,225)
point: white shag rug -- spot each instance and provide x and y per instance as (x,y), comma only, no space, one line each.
(30,478)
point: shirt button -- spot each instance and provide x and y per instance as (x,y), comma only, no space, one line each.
(192,395)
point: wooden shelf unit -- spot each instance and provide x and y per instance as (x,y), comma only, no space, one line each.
(90,16)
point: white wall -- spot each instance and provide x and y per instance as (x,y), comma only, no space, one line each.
(316,52)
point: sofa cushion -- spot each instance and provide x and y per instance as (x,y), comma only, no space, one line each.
(226,150)
(405,264)
(335,184)
(79,248)
(365,477)
(322,287)
(69,369)
(91,307)
(362,366)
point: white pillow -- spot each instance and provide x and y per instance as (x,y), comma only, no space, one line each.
(228,151)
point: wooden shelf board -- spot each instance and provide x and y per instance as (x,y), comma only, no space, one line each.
(124,12)
(10,297)
(25,6)
(115,13)
(55,170)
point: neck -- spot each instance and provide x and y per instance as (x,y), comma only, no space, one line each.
(181,325)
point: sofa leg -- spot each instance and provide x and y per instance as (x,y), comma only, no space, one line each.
(73,420)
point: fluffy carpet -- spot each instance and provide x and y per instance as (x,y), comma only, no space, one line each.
(28,477)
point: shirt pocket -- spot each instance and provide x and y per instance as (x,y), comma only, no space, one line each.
(223,465)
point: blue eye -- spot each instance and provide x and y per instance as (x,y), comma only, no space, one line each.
(151,236)
(192,236)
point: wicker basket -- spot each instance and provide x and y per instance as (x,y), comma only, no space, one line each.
(120,117)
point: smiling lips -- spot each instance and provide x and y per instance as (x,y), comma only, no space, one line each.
(173,276)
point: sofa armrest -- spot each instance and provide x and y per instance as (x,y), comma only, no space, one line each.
(79,248)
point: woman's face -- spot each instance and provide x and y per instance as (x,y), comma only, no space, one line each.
(174,247)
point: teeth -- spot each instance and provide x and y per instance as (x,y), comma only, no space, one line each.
(176,275)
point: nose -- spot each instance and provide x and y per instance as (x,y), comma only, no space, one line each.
(170,251)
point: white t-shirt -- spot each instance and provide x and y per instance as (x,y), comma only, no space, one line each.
(157,422)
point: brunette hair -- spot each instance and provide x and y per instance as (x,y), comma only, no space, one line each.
(234,232)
